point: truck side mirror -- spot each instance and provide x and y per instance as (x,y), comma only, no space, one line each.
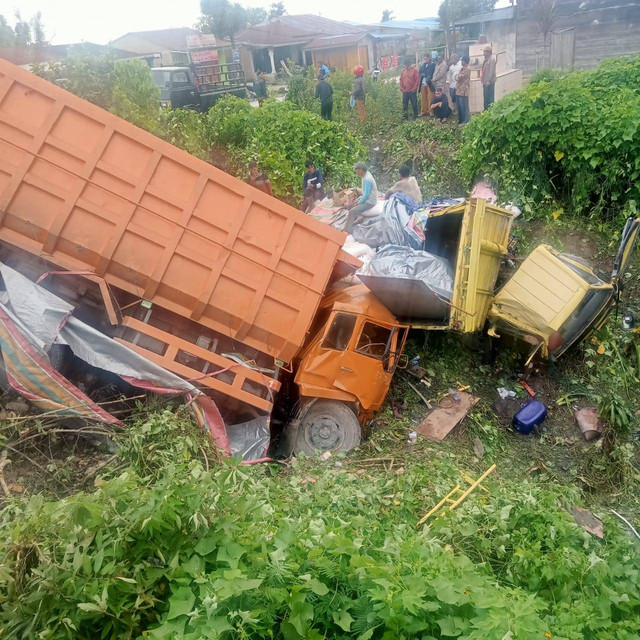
(403,361)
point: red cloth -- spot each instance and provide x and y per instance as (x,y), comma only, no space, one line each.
(409,80)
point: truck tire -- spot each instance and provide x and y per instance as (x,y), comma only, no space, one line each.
(328,425)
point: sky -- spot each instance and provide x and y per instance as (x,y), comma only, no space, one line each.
(100,21)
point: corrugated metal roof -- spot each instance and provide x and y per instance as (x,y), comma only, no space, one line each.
(330,42)
(170,39)
(319,25)
(413,25)
(506,13)
(298,29)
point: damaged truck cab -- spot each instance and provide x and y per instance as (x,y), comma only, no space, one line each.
(345,369)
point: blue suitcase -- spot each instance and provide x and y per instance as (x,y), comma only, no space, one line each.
(529,417)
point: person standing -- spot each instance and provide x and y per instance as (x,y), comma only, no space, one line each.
(324,91)
(439,78)
(359,93)
(259,179)
(462,91)
(454,68)
(260,88)
(312,186)
(376,72)
(488,76)
(409,83)
(426,73)
(323,70)
(369,197)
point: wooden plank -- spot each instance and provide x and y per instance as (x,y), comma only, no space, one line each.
(445,417)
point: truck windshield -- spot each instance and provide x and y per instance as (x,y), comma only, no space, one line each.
(180,77)
(374,340)
(161,78)
(340,331)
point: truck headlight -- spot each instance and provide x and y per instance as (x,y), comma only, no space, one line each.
(165,104)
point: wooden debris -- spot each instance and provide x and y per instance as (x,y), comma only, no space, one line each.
(445,417)
(587,521)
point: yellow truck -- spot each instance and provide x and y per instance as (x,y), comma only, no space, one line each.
(555,300)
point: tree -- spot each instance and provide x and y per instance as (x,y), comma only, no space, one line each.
(452,10)
(387,15)
(222,18)
(7,34)
(276,10)
(256,15)
(37,30)
(544,12)
(22,31)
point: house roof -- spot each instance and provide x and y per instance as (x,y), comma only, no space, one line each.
(330,42)
(505,13)
(273,35)
(415,25)
(166,39)
(319,25)
(38,54)
(297,29)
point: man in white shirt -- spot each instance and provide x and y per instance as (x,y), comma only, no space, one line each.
(452,76)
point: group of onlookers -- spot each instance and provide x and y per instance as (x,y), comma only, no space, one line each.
(431,79)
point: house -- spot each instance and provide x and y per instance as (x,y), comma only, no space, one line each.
(25,57)
(583,33)
(497,26)
(159,48)
(308,39)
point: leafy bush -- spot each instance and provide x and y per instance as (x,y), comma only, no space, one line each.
(547,75)
(562,142)
(187,129)
(167,550)
(383,102)
(431,149)
(135,95)
(280,138)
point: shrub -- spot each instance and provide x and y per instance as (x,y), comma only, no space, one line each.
(280,138)
(167,550)
(547,75)
(560,141)
(431,149)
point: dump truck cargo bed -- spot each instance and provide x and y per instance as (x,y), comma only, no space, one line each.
(94,194)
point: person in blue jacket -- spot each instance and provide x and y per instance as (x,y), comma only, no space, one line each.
(324,70)
(367,200)
(312,186)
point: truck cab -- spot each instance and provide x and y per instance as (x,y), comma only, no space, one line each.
(177,87)
(345,369)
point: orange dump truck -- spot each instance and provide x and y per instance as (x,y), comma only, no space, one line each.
(193,269)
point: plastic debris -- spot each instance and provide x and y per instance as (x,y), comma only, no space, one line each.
(531,415)
(506,393)
(588,422)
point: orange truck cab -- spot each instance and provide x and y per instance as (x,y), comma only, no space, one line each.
(345,369)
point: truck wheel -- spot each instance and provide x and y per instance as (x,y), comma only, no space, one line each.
(327,425)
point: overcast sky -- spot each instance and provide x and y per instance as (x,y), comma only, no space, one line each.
(100,21)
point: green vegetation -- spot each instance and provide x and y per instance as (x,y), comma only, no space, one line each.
(280,138)
(559,143)
(165,549)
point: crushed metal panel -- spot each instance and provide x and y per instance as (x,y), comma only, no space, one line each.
(406,298)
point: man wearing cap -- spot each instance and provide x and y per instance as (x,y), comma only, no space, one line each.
(488,76)
(367,200)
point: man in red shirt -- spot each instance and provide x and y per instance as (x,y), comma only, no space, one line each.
(409,83)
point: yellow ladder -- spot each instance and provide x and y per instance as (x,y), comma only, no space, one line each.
(454,502)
